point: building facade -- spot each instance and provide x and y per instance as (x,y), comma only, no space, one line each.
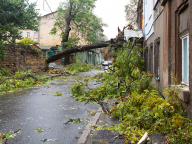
(29,34)
(153,17)
(168,39)
(46,23)
(178,44)
(49,41)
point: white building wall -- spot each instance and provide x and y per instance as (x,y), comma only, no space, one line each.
(148,18)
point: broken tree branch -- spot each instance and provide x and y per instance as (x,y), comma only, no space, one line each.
(75,50)
(28,75)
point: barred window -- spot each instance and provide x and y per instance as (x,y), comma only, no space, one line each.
(157,58)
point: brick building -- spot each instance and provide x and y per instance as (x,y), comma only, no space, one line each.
(168,37)
(178,44)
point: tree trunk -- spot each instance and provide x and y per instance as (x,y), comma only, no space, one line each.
(67,52)
(65,36)
(67,60)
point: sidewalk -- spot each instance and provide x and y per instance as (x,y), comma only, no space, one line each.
(108,137)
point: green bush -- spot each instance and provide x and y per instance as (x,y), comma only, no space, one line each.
(141,108)
(27,41)
(4,72)
(78,67)
(15,82)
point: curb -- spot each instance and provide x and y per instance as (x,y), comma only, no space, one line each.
(93,121)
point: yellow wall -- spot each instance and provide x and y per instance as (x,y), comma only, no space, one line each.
(45,25)
(24,32)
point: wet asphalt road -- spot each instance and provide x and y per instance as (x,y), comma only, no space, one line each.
(38,108)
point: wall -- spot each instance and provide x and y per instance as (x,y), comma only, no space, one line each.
(150,43)
(92,58)
(46,23)
(19,57)
(148,18)
(177,20)
(140,14)
(24,35)
(190,58)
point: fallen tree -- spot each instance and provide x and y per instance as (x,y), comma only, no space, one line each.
(115,43)
(75,50)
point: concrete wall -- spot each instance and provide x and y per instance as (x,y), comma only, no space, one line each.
(19,57)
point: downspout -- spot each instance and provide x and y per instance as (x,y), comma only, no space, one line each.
(143,27)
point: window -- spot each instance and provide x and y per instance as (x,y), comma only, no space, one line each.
(185,58)
(151,57)
(157,58)
(28,35)
(35,35)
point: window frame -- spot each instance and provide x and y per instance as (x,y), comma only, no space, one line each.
(186,35)
(35,35)
(29,35)
(157,64)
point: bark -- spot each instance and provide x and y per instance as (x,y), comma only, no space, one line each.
(67,52)
(66,34)
(68,29)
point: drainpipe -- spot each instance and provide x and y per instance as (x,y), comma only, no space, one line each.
(143,27)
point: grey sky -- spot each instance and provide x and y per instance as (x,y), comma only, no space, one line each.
(111,11)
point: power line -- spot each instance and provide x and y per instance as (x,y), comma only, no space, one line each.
(44,6)
(53,14)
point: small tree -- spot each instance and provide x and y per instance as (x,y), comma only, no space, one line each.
(76,21)
(131,12)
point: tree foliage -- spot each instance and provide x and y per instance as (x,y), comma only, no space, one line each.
(16,15)
(131,12)
(77,22)
(140,106)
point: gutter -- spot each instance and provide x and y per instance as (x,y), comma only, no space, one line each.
(143,27)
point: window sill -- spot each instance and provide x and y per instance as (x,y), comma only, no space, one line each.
(183,93)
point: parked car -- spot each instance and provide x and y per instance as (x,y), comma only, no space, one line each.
(106,63)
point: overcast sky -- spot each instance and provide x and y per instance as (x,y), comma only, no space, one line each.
(111,11)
